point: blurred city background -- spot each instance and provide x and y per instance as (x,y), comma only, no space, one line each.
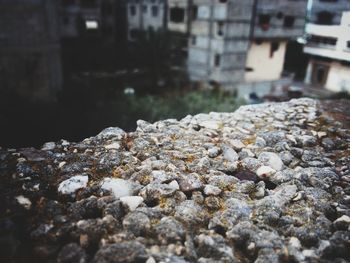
(69,68)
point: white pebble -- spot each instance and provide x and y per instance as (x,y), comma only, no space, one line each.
(265,171)
(118,187)
(132,202)
(24,201)
(72,184)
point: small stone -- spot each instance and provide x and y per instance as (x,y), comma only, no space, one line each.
(294,242)
(137,223)
(111,132)
(72,184)
(229,154)
(272,160)
(132,202)
(122,252)
(24,201)
(321,134)
(118,187)
(213,152)
(237,145)
(342,223)
(174,184)
(211,190)
(71,253)
(113,145)
(213,125)
(49,146)
(265,172)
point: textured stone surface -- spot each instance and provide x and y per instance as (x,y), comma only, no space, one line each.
(267,183)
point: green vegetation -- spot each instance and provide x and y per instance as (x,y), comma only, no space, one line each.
(126,110)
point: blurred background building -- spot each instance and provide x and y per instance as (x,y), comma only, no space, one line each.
(30,53)
(328,45)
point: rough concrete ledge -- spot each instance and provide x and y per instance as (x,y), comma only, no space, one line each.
(267,183)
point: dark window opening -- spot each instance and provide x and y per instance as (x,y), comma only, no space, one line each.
(279,15)
(177,15)
(194,40)
(134,33)
(132,10)
(66,20)
(289,21)
(223,1)
(89,3)
(319,74)
(106,8)
(273,48)
(249,69)
(348,44)
(332,1)
(144,9)
(324,18)
(330,41)
(258,41)
(264,22)
(194,12)
(220,28)
(68,2)
(154,10)
(217,60)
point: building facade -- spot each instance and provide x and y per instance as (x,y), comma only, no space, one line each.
(328,45)
(231,41)
(30,61)
(144,15)
(218,42)
(275,23)
(226,42)
(89,18)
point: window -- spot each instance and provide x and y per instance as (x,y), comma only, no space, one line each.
(279,15)
(91,24)
(264,22)
(319,74)
(106,8)
(68,2)
(220,28)
(273,48)
(66,20)
(132,10)
(144,9)
(288,21)
(324,18)
(194,12)
(348,44)
(330,41)
(154,10)
(133,33)
(217,60)
(177,15)
(88,3)
(194,40)
(223,1)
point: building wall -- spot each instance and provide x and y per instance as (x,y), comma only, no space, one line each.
(332,41)
(143,15)
(30,62)
(75,16)
(280,18)
(335,8)
(332,75)
(338,77)
(178,25)
(263,63)
(218,43)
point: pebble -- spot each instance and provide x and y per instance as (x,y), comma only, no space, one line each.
(72,184)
